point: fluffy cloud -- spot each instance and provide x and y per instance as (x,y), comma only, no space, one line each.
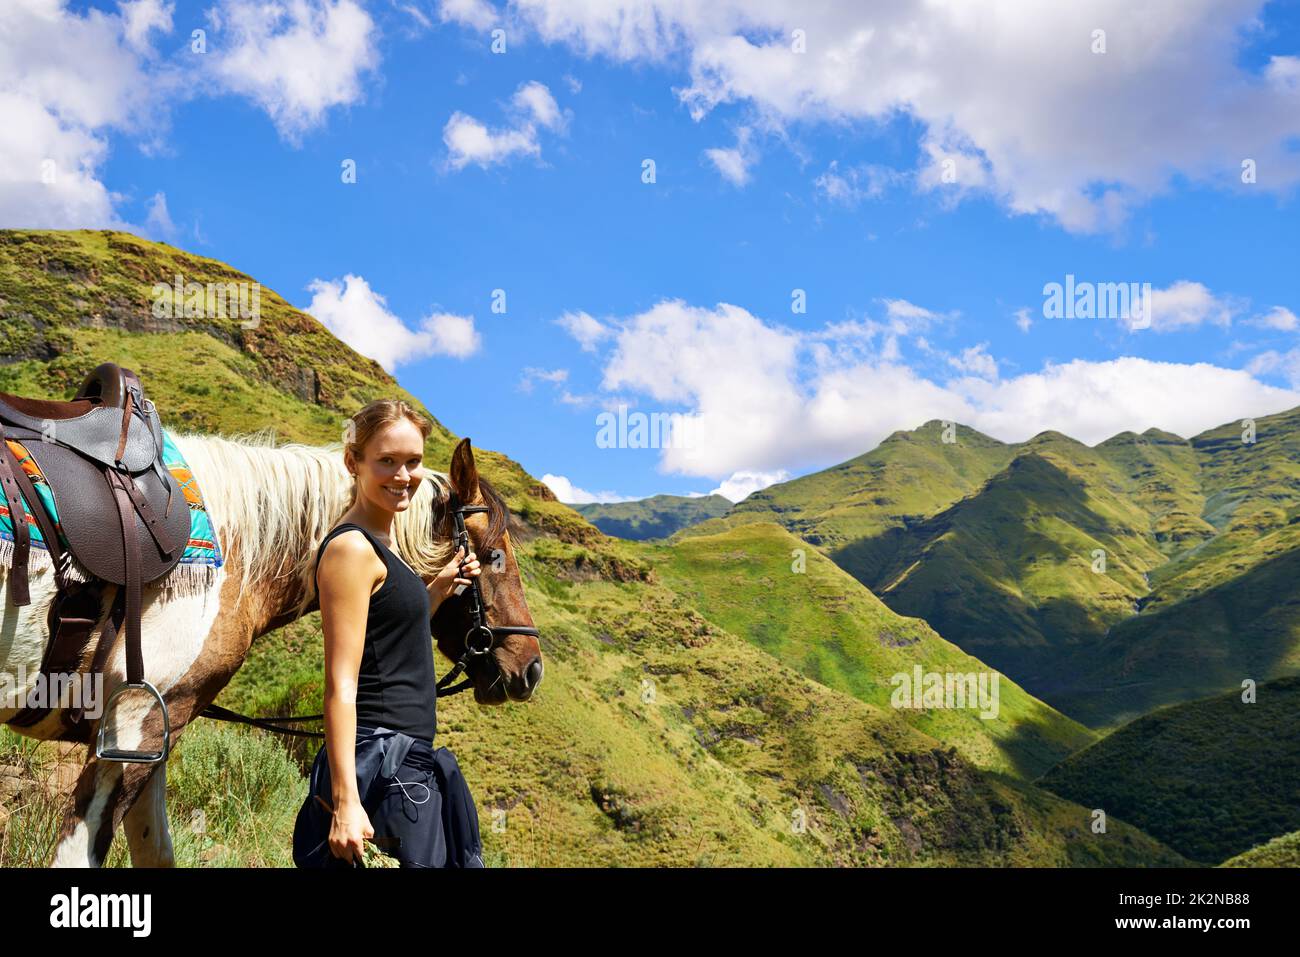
(1284,364)
(1279,318)
(471,13)
(745,483)
(159,222)
(470,141)
(735,164)
(762,398)
(142,17)
(70,82)
(1189,304)
(360,317)
(296,59)
(1093,134)
(587,331)
(66,82)
(975,361)
(570,494)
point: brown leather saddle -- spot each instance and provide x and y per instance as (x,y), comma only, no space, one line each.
(123,518)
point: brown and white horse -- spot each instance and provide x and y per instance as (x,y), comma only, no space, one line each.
(271,506)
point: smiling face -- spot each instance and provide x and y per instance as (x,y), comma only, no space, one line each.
(389,469)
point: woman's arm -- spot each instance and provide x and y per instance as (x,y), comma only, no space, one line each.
(446,581)
(345,578)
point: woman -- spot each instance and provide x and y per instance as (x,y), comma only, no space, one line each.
(380,685)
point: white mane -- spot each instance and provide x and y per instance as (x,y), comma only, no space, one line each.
(271,506)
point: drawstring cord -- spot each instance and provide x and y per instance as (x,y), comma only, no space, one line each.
(399,783)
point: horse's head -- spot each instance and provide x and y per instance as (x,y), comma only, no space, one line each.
(500,647)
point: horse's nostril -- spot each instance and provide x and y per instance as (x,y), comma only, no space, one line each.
(533,673)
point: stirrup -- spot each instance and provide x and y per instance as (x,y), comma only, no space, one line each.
(133,757)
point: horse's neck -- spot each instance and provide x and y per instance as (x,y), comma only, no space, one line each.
(271,507)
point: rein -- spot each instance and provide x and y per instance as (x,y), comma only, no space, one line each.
(479,642)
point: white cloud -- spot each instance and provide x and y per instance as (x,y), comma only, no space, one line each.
(975,361)
(532,375)
(1279,317)
(587,331)
(857,183)
(536,100)
(450,335)
(570,494)
(67,81)
(470,141)
(296,59)
(142,17)
(1284,364)
(422,21)
(470,13)
(763,398)
(159,221)
(1089,137)
(1189,304)
(740,485)
(734,164)
(1023,322)
(360,317)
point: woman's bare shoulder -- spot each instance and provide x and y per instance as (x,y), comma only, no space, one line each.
(350,552)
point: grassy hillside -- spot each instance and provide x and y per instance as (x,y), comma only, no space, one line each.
(1211,778)
(656,517)
(1280,852)
(815,618)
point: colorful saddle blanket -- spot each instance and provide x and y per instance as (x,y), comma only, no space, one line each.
(202,552)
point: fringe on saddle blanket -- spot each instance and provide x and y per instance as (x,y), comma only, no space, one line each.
(197,570)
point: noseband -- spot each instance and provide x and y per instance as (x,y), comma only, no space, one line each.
(482,636)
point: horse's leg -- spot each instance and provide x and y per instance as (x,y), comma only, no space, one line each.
(146,824)
(189,665)
(89,825)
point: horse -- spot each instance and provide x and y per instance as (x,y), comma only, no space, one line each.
(271,506)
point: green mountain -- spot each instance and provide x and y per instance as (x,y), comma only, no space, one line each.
(656,517)
(910,475)
(659,737)
(1211,778)
(1107,581)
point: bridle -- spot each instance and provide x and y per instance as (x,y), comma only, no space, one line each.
(482,636)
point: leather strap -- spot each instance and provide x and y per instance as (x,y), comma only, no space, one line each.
(18,576)
(131,546)
(127,406)
(73,617)
(72,717)
(69,633)
(49,528)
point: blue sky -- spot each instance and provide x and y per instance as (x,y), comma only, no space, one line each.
(776,169)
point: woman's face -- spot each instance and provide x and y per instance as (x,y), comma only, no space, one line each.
(390,469)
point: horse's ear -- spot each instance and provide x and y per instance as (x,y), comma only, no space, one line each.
(464,473)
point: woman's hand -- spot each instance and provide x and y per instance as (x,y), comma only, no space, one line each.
(461,570)
(349,829)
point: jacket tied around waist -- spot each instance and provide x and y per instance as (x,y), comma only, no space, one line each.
(415,796)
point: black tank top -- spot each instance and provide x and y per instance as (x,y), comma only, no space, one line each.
(396,685)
